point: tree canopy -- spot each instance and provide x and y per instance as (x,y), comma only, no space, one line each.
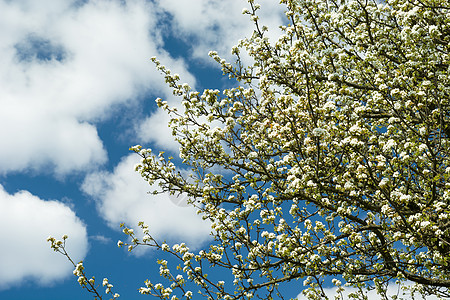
(329,159)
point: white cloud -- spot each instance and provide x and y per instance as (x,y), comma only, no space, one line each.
(122,196)
(25,223)
(101,239)
(63,67)
(156,129)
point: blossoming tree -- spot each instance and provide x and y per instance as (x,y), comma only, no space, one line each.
(329,159)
